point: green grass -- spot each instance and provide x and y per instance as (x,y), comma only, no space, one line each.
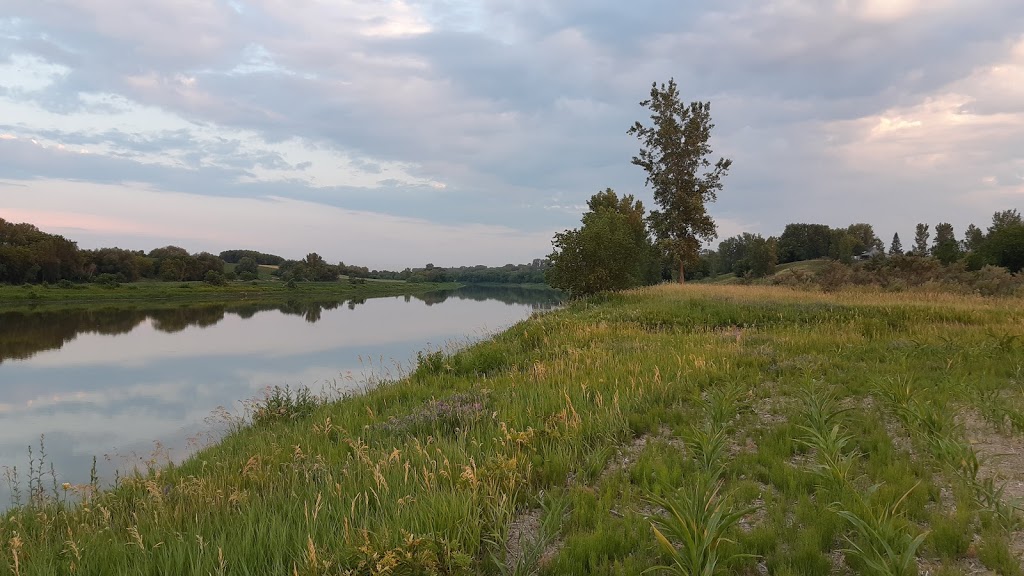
(808,433)
(155,292)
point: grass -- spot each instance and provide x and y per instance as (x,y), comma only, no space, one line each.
(700,429)
(12,297)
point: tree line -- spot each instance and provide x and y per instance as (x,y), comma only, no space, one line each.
(752,256)
(31,256)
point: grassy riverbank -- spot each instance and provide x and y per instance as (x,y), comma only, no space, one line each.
(198,292)
(849,433)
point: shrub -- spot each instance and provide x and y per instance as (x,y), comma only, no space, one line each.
(214,278)
(899,273)
(107,280)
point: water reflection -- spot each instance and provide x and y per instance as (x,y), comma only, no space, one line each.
(113,381)
(25,333)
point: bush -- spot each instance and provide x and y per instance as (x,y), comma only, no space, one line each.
(214,278)
(996,281)
(899,273)
(107,280)
(247,276)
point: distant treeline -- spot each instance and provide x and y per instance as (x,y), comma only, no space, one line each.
(31,256)
(28,255)
(532,273)
(753,256)
(236,256)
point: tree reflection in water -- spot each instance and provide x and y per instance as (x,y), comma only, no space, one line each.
(26,333)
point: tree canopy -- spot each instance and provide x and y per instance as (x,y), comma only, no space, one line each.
(611,251)
(675,151)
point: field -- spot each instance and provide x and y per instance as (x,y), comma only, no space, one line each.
(197,292)
(706,429)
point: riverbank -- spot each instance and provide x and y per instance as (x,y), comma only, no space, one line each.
(821,433)
(200,292)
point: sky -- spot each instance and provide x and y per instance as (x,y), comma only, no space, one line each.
(457,132)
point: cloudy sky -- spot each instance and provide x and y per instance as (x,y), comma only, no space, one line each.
(393,133)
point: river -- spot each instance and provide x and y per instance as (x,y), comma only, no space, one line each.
(130,385)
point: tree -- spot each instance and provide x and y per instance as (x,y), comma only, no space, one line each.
(896,248)
(864,238)
(946,248)
(1005,219)
(973,239)
(761,257)
(921,240)
(611,251)
(843,246)
(1005,247)
(674,152)
(804,242)
(748,254)
(247,265)
(317,269)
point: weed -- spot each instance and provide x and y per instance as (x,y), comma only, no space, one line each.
(283,403)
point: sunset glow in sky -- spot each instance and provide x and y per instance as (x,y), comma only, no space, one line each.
(395,133)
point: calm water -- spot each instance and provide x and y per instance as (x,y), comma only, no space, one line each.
(119,383)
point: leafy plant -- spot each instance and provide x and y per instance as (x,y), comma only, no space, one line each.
(694,533)
(883,541)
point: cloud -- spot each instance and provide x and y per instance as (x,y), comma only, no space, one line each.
(289,227)
(483,114)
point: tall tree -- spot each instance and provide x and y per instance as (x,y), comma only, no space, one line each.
(896,248)
(921,235)
(611,251)
(674,151)
(946,248)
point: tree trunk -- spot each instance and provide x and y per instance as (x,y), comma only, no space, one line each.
(682,276)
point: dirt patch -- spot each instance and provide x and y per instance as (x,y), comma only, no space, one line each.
(773,408)
(524,532)
(971,566)
(1002,459)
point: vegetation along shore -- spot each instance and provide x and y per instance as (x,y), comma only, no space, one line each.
(702,428)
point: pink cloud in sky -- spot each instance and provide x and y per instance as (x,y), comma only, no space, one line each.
(57,221)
